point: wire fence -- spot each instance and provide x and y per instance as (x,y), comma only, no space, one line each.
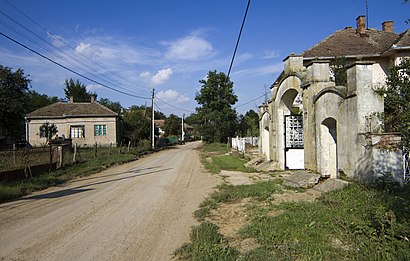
(19,163)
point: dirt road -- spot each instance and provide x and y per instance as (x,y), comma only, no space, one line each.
(138,211)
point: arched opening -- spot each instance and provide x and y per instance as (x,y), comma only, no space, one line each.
(328,148)
(290,130)
(265,141)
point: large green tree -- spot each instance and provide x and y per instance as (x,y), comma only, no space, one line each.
(249,124)
(172,125)
(397,101)
(77,90)
(136,125)
(13,101)
(114,106)
(37,100)
(215,113)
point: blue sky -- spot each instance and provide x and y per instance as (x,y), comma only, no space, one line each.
(134,46)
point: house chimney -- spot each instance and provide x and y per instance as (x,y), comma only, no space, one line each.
(71,99)
(361,24)
(388,26)
(92,98)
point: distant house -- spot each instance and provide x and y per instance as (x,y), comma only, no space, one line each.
(160,125)
(86,123)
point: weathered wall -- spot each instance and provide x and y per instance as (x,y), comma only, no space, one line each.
(63,127)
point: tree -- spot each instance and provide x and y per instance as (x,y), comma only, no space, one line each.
(397,101)
(249,124)
(37,101)
(78,91)
(114,106)
(13,101)
(215,114)
(48,130)
(136,125)
(172,125)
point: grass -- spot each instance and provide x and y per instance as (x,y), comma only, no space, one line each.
(206,244)
(16,189)
(214,158)
(356,223)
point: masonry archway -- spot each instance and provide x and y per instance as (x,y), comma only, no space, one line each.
(290,131)
(265,135)
(328,148)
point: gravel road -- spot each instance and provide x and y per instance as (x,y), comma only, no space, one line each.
(137,211)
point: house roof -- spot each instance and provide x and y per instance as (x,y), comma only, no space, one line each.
(159,123)
(348,42)
(72,109)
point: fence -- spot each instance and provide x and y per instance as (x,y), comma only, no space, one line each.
(21,163)
(240,143)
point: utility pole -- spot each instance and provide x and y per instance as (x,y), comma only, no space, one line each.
(153,124)
(182,132)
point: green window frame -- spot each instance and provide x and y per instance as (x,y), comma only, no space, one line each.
(100,130)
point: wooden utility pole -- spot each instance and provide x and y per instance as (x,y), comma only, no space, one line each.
(182,132)
(153,124)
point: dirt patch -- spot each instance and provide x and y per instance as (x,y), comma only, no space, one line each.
(238,178)
(294,196)
(230,218)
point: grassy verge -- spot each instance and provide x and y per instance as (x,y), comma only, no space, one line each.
(13,190)
(215,158)
(356,223)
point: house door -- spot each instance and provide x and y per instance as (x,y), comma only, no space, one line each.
(294,151)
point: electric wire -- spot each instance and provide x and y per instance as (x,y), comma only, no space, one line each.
(71,47)
(71,70)
(239,38)
(175,107)
(257,98)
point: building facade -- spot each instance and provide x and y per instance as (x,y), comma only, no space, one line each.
(86,123)
(315,124)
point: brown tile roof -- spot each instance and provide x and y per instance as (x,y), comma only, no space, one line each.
(348,42)
(72,109)
(403,40)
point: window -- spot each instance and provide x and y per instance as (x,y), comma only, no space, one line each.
(100,130)
(77,131)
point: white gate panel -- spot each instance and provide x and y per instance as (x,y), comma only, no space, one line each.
(295,159)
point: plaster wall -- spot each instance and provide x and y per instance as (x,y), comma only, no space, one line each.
(63,127)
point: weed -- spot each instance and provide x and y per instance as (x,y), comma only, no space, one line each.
(206,244)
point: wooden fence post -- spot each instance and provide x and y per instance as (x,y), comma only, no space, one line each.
(109,149)
(75,153)
(14,154)
(95,150)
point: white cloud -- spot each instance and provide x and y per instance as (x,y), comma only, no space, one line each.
(271,54)
(83,48)
(172,95)
(56,40)
(159,78)
(192,47)
(93,87)
(258,71)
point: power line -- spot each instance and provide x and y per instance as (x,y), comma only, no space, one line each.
(173,105)
(71,47)
(71,70)
(251,100)
(239,37)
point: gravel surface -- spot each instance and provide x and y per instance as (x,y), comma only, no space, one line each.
(137,211)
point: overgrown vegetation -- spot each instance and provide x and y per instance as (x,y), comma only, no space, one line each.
(356,223)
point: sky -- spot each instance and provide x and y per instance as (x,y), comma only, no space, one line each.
(123,49)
